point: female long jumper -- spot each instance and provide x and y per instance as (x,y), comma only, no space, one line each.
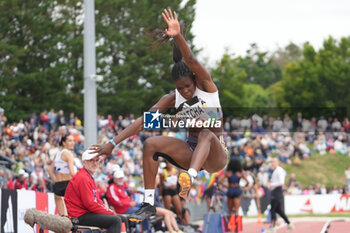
(204,147)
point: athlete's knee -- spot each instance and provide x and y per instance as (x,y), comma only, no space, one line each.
(149,144)
(205,134)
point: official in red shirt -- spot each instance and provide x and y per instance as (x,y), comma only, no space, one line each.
(118,197)
(82,201)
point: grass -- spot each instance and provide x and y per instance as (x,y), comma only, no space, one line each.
(328,169)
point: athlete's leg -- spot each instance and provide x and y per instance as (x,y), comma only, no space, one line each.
(177,205)
(237,203)
(60,206)
(167,201)
(229,206)
(175,148)
(209,153)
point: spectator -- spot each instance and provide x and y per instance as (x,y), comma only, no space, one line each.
(292,179)
(306,126)
(323,189)
(277,125)
(10,183)
(322,124)
(336,125)
(168,216)
(294,189)
(245,123)
(52,118)
(287,122)
(110,121)
(235,123)
(45,120)
(347,174)
(168,180)
(329,124)
(346,124)
(186,214)
(263,176)
(60,119)
(21,181)
(82,201)
(227,124)
(118,197)
(237,154)
(298,121)
(38,185)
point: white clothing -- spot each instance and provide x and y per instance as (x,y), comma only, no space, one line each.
(210,99)
(278,177)
(203,105)
(61,166)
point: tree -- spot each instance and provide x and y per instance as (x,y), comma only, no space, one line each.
(229,78)
(259,67)
(136,73)
(319,80)
(38,54)
(41,54)
(291,53)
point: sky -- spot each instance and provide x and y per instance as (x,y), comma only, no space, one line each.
(235,24)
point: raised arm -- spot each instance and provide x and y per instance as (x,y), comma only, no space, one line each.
(203,78)
(162,105)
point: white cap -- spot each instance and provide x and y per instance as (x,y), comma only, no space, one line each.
(118,174)
(87,155)
(21,172)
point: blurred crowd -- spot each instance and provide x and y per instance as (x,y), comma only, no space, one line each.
(28,147)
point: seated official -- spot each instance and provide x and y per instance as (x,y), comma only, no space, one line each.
(82,201)
(118,197)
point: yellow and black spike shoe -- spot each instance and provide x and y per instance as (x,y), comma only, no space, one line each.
(185,183)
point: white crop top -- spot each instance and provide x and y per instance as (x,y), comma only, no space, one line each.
(60,165)
(208,102)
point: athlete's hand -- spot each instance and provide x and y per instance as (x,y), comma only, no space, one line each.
(104,150)
(172,22)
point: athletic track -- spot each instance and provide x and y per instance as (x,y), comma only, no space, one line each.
(304,225)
